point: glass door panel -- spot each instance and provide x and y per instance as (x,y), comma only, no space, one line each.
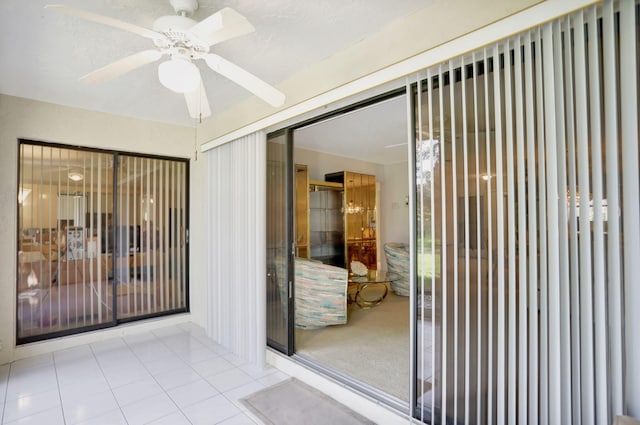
(65,207)
(151,248)
(279,230)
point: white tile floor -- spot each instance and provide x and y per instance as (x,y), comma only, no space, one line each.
(173,376)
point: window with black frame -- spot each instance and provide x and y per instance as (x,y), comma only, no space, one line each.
(101,239)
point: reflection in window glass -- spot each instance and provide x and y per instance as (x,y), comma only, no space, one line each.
(72,275)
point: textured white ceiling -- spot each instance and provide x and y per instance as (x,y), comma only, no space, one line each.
(43,53)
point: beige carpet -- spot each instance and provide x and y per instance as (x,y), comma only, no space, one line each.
(373,347)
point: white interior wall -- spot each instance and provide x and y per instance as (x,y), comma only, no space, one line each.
(322,163)
(394,206)
(22,118)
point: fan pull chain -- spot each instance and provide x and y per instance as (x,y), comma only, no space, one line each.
(195,138)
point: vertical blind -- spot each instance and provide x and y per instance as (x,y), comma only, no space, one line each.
(236,286)
(528,226)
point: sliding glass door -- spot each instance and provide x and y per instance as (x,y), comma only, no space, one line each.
(150,234)
(65,215)
(101,238)
(279,243)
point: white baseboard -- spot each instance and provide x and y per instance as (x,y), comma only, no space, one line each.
(43,347)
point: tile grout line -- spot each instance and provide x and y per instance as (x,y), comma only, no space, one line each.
(55,370)
(221,393)
(151,375)
(105,377)
(190,367)
(6,394)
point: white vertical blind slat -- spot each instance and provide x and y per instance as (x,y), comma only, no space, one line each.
(90,227)
(147,240)
(610,78)
(417,281)
(584,235)
(574,274)
(501,313)
(152,263)
(421,225)
(131,229)
(532,240)
(563,266)
(163,211)
(543,233)
(467,295)
(490,280)
(183,231)
(455,254)
(601,378)
(91,278)
(555,393)
(169,219)
(99,210)
(511,236)
(479,273)
(443,249)
(432,246)
(178,232)
(522,386)
(630,193)
(175,276)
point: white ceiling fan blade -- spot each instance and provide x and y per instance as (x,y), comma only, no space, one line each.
(198,103)
(222,25)
(105,20)
(245,79)
(121,67)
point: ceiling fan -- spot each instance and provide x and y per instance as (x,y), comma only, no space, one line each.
(183,41)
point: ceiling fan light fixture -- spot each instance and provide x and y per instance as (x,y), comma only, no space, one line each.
(75,176)
(23,194)
(179,75)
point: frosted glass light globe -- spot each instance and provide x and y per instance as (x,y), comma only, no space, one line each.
(179,75)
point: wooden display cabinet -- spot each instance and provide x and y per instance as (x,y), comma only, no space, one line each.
(302,211)
(359,216)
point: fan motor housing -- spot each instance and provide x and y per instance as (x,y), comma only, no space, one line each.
(176,30)
(184,7)
(166,24)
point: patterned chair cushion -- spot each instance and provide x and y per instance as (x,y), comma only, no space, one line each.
(320,294)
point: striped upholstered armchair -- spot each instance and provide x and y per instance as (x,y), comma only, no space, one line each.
(320,294)
(397,255)
(398,261)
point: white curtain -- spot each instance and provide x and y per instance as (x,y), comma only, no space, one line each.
(236,247)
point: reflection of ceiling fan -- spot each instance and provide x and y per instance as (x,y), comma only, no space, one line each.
(183,40)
